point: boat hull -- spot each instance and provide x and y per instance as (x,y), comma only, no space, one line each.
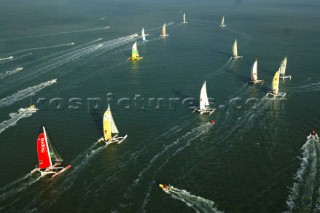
(135,59)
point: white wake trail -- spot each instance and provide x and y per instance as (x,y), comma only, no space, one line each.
(10,72)
(301,197)
(312,87)
(25,93)
(7,58)
(199,204)
(42,48)
(58,33)
(15,117)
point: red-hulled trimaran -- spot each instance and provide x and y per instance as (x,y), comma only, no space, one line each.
(48,158)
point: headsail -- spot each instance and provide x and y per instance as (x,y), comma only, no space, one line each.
(275,83)
(204,101)
(254,72)
(235,49)
(109,126)
(283,66)
(143,35)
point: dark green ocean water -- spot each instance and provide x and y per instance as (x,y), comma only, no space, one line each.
(246,162)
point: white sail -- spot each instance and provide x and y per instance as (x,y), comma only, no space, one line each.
(283,66)
(164,32)
(184,19)
(235,49)
(254,71)
(143,35)
(222,22)
(204,101)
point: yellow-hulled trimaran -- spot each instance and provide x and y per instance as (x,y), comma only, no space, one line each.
(275,87)
(135,53)
(110,130)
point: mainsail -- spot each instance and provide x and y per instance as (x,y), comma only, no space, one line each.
(184,18)
(204,101)
(47,155)
(275,83)
(109,126)
(254,72)
(235,49)
(164,33)
(222,22)
(283,66)
(135,53)
(143,35)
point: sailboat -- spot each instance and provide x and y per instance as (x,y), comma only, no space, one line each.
(110,130)
(235,50)
(184,19)
(204,101)
(143,35)
(222,22)
(164,32)
(135,54)
(254,74)
(283,67)
(275,87)
(48,158)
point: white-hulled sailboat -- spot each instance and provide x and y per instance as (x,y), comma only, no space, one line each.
(204,101)
(283,67)
(222,22)
(184,19)
(110,130)
(254,74)
(275,87)
(48,158)
(135,54)
(235,50)
(164,31)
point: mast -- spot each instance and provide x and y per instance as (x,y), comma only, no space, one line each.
(204,102)
(235,49)
(283,66)
(275,83)
(254,71)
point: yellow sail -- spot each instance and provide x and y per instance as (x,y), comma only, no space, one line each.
(135,54)
(107,133)
(275,83)
(235,49)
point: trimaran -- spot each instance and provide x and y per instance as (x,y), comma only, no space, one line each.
(135,54)
(254,74)
(164,31)
(283,67)
(204,101)
(184,19)
(110,130)
(275,87)
(49,159)
(222,22)
(235,50)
